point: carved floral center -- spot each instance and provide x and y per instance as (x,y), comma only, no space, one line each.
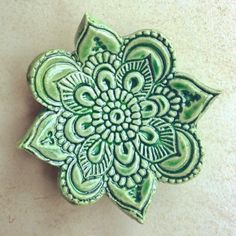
(116,115)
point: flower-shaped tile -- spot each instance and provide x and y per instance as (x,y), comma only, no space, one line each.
(118,118)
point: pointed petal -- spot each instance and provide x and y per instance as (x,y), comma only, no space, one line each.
(93,36)
(133,201)
(41,141)
(195,96)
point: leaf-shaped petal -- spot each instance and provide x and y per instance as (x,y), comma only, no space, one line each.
(135,76)
(195,96)
(95,157)
(40,139)
(157,140)
(150,44)
(134,201)
(184,165)
(45,71)
(78,92)
(75,188)
(93,36)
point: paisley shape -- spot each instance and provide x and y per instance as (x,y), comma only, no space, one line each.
(184,165)
(45,71)
(126,159)
(102,67)
(78,92)
(134,201)
(75,188)
(157,141)
(135,76)
(41,140)
(196,97)
(93,36)
(151,44)
(149,109)
(95,157)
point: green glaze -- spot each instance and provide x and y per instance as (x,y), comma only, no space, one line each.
(118,118)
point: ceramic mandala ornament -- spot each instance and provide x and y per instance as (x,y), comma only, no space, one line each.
(118,118)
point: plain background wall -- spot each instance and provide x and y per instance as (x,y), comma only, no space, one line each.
(203,34)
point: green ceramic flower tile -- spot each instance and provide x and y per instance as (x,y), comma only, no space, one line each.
(118,117)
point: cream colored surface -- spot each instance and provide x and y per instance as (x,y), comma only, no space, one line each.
(203,34)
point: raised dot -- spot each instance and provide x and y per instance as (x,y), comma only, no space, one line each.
(105,116)
(137,178)
(131,134)
(119,128)
(116,177)
(108,123)
(128,119)
(125,125)
(106,109)
(127,112)
(117,104)
(113,128)
(123,107)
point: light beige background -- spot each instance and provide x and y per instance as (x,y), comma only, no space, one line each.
(203,34)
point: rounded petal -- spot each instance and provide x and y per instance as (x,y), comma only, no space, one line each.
(157,140)
(75,188)
(93,36)
(95,157)
(195,97)
(78,92)
(135,76)
(184,165)
(150,44)
(45,71)
(133,201)
(41,139)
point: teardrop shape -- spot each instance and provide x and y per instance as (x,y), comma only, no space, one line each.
(83,126)
(134,81)
(85,96)
(148,109)
(96,151)
(148,135)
